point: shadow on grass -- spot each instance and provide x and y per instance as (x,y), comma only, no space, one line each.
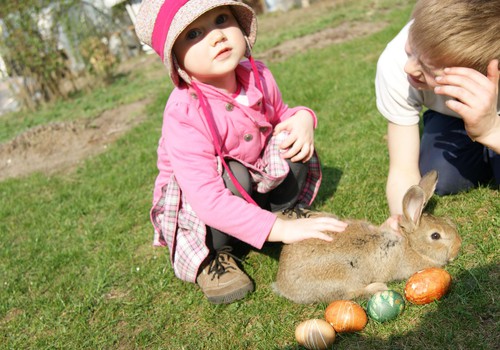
(467,318)
(272,249)
(329,185)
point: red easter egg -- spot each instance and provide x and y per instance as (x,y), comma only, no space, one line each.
(427,285)
(346,316)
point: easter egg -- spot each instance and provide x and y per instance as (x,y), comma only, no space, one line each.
(427,285)
(346,316)
(315,334)
(385,306)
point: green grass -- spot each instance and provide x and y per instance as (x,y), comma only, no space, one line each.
(77,269)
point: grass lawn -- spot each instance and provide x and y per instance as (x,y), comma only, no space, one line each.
(78,271)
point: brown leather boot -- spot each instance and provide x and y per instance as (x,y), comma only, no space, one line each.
(222,281)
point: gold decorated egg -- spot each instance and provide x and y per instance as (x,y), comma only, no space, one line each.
(315,334)
(346,316)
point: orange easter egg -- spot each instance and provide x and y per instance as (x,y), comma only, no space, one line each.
(427,285)
(346,316)
(315,334)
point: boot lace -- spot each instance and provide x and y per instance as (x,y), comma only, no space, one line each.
(297,211)
(220,264)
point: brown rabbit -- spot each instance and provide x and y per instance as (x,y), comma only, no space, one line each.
(360,260)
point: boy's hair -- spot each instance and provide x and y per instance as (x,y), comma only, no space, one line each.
(462,33)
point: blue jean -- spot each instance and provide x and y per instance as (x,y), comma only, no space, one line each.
(461,163)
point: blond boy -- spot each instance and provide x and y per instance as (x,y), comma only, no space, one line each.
(444,61)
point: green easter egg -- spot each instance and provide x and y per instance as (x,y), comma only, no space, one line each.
(385,306)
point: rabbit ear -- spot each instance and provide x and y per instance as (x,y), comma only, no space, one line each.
(413,205)
(428,184)
(416,199)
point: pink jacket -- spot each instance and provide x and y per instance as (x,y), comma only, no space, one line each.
(187,151)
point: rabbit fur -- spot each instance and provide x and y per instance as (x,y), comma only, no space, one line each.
(360,260)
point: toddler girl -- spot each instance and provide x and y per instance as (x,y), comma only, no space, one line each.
(235,163)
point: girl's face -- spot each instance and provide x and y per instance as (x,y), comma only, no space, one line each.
(211,47)
(420,73)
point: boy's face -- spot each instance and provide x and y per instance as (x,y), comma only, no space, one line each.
(421,74)
(211,47)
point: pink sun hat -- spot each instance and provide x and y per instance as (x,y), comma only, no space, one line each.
(160,22)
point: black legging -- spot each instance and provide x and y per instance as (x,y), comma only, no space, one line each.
(282,197)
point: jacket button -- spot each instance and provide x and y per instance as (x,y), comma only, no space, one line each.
(229,107)
(248,137)
(194,96)
(263,129)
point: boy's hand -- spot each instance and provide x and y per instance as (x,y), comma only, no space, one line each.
(299,144)
(392,225)
(476,98)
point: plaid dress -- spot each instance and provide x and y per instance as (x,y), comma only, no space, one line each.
(177,226)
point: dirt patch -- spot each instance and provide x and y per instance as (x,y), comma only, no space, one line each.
(62,146)
(329,36)
(53,147)
(11,315)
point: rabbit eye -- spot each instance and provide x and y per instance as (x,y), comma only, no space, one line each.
(435,236)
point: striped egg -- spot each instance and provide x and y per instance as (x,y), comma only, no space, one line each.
(315,334)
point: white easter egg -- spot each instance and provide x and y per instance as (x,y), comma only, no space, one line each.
(315,334)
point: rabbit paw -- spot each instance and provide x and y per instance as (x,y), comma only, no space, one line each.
(373,288)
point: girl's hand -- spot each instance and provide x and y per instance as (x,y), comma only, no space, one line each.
(476,99)
(299,144)
(290,231)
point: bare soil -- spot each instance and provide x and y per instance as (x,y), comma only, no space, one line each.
(329,36)
(62,146)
